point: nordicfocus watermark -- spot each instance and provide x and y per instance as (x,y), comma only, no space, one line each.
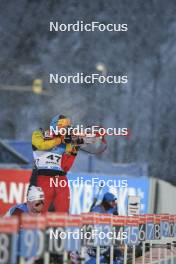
(95,234)
(93,182)
(81,26)
(81,131)
(81,78)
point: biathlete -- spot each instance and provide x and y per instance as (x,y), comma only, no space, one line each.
(54,155)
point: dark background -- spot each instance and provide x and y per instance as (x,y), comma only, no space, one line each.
(146,53)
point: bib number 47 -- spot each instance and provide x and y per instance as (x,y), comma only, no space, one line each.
(54,158)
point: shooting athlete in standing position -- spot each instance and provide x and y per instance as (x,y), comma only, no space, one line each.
(53,157)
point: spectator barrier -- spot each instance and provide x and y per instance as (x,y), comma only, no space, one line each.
(121,238)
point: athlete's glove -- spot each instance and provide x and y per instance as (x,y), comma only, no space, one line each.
(75,140)
(68,139)
(80,141)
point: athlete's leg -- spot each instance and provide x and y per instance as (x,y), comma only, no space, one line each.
(44,183)
(62,195)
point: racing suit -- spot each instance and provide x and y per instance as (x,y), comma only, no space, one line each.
(53,158)
(104,251)
(17,210)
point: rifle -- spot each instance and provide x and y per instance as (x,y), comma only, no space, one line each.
(96,198)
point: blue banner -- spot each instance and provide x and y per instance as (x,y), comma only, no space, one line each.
(84,187)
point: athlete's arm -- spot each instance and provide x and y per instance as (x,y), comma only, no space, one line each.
(40,143)
(17,212)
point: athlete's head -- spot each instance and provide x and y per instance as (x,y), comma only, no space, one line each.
(35,199)
(109,200)
(60,121)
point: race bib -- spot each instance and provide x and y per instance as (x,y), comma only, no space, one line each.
(48,160)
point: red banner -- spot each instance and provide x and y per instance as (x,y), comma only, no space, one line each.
(13,187)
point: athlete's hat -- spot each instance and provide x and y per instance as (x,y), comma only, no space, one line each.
(60,120)
(109,197)
(35,194)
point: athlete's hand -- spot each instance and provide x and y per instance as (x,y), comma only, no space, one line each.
(72,139)
(79,141)
(68,139)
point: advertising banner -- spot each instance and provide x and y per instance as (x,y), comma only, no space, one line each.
(84,189)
